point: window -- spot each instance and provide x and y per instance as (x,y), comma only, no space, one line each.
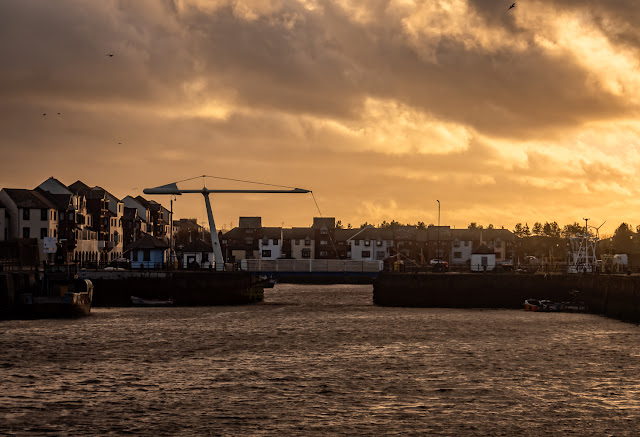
(248,231)
(379,243)
(275,242)
(380,254)
(297,242)
(55,233)
(307,242)
(205,257)
(390,243)
(146,255)
(135,255)
(306,253)
(26,232)
(62,215)
(266,253)
(367,242)
(44,232)
(357,242)
(366,253)
(26,214)
(248,241)
(457,255)
(323,253)
(44,214)
(323,232)
(456,243)
(323,242)
(466,243)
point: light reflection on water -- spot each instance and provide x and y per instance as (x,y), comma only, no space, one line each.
(320,360)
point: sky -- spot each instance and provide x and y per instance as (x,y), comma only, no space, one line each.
(381,108)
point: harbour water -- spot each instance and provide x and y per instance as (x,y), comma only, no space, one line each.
(320,360)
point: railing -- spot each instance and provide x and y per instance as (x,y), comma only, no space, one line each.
(310,266)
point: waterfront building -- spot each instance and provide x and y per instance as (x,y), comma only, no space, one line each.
(483,259)
(142,213)
(302,243)
(29,215)
(4,231)
(324,229)
(242,242)
(343,243)
(75,224)
(270,243)
(149,252)
(198,253)
(370,244)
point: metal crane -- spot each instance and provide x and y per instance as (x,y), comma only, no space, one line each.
(172,189)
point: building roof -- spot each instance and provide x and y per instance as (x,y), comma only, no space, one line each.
(273,233)
(186,223)
(80,187)
(62,202)
(198,246)
(483,250)
(326,222)
(149,242)
(24,198)
(300,233)
(104,193)
(250,222)
(483,234)
(344,234)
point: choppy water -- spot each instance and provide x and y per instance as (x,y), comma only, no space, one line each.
(320,360)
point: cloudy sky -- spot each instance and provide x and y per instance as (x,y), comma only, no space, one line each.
(381,107)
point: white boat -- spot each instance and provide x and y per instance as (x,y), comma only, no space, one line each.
(138,301)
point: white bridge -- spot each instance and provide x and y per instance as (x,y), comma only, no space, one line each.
(311,266)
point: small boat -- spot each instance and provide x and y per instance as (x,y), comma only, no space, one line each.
(138,301)
(547,305)
(574,307)
(532,305)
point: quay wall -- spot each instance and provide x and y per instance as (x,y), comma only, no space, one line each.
(11,285)
(186,288)
(616,296)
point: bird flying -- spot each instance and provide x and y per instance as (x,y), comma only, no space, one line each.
(512,6)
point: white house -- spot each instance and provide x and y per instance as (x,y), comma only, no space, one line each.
(370,244)
(270,243)
(483,259)
(198,252)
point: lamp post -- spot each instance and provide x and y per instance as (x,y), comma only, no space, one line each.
(438,248)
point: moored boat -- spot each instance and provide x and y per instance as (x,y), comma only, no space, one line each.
(60,294)
(532,305)
(138,301)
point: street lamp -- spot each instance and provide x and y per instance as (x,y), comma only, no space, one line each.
(438,248)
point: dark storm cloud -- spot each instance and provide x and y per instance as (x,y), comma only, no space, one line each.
(294,60)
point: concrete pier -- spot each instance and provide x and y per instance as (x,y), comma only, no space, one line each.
(616,296)
(186,288)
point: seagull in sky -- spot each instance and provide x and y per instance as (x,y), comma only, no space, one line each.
(512,6)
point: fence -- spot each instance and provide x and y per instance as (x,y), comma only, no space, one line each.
(311,266)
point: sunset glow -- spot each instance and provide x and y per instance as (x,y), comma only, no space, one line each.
(379,107)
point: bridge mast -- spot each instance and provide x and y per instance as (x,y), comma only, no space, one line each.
(172,189)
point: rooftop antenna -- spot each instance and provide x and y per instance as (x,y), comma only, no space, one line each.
(172,189)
